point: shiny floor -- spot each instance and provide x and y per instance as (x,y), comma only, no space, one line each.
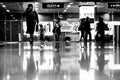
(59,61)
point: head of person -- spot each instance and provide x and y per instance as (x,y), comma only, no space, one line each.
(41,26)
(87,18)
(100,19)
(30,6)
(83,19)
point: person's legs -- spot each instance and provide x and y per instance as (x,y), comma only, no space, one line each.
(85,37)
(31,37)
(89,36)
(102,36)
(57,37)
(42,37)
(82,35)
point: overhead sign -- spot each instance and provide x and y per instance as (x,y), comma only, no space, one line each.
(113,5)
(52,5)
(86,3)
(86,11)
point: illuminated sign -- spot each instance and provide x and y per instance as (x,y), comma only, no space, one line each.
(52,5)
(113,5)
(86,11)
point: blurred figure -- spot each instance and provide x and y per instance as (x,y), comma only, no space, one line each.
(101,26)
(42,31)
(81,28)
(31,19)
(57,30)
(101,61)
(87,29)
(57,57)
(85,57)
(100,56)
(31,68)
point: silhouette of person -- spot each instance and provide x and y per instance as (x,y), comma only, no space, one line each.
(87,29)
(31,20)
(57,30)
(81,28)
(100,29)
(42,31)
(57,57)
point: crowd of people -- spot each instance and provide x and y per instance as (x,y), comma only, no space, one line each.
(84,27)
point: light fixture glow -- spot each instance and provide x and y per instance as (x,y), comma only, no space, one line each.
(4,6)
(65,10)
(8,10)
(71,3)
(69,6)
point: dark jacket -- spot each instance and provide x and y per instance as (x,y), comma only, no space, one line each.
(57,29)
(31,19)
(101,26)
(87,26)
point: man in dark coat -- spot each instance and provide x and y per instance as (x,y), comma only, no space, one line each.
(81,28)
(31,19)
(87,29)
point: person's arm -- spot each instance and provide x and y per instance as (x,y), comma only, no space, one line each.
(25,13)
(36,18)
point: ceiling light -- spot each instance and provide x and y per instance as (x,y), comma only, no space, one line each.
(4,6)
(71,3)
(69,6)
(65,10)
(8,10)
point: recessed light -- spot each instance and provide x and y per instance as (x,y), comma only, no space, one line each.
(65,10)
(4,6)
(71,3)
(8,10)
(69,6)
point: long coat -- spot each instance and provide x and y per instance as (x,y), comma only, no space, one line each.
(31,19)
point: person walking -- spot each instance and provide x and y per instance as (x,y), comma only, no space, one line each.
(81,28)
(101,26)
(87,29)
(31,20)
(57,30)
(42,31)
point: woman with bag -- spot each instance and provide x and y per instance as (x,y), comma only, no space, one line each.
(101,27)
(81,28)
(31,20)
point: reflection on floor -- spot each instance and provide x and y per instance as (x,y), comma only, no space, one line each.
(59,61)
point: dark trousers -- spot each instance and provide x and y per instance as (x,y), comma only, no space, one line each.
(57,36)
(86,35)
(42,37)
(31,37)
(82,35)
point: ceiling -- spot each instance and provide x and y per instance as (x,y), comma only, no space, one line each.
(19,7)
(60,0)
